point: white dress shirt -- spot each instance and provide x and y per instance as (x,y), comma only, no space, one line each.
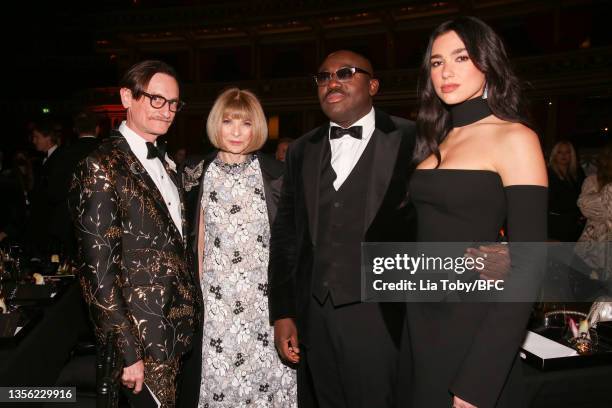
(157,172)
(346,151)
(49,153)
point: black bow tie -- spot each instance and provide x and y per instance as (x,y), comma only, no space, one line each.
(337,132)
(157,152)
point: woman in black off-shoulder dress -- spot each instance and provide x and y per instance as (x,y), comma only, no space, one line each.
(480,168)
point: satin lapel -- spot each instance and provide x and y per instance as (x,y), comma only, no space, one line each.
(386,148)
(147,184)
(311,173)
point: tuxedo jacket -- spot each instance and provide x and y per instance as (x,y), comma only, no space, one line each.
(272,175)
(134,266)
(294,233)
(49,223)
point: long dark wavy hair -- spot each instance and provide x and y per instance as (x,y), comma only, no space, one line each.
(488,54)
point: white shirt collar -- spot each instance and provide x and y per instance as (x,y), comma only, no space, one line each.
(367,121)
(136,142)
(51,150)
(139,145)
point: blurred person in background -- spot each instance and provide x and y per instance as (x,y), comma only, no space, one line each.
(180,156)
(565,178)
(87,128)
(16,183)
(47,228)
(595,202)
(281,148)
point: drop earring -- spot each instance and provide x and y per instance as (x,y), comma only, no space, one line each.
(485,93)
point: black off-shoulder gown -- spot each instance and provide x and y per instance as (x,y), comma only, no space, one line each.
(468,349)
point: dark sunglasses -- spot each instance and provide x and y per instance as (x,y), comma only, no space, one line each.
(342,75)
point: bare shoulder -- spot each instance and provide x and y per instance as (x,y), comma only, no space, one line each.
(518,155)
(516,136)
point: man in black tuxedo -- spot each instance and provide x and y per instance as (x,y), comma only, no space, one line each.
(86,126)
(47,221)
(345,182)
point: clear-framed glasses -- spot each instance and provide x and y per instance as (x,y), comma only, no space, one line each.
(344,74)
(158,102)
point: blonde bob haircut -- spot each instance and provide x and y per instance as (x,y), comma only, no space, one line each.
(237,104)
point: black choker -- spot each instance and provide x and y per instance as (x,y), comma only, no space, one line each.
(470,111)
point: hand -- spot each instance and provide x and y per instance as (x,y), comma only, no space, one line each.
(133,376)
(496,260)
(286,340)
(459,403)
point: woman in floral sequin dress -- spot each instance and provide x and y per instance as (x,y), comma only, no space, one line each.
(239,189)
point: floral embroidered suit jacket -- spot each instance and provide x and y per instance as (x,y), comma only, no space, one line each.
(135,268)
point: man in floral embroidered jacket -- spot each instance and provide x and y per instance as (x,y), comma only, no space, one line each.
(135,268)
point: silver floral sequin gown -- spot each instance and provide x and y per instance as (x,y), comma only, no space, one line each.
(240,366)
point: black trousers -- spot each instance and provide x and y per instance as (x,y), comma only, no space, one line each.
(351,356)
(190,376)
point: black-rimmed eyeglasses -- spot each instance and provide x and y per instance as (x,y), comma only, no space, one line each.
(158,102)
(342,75)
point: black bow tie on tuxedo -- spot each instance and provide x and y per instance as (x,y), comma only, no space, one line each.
(337,132)
(157,152)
